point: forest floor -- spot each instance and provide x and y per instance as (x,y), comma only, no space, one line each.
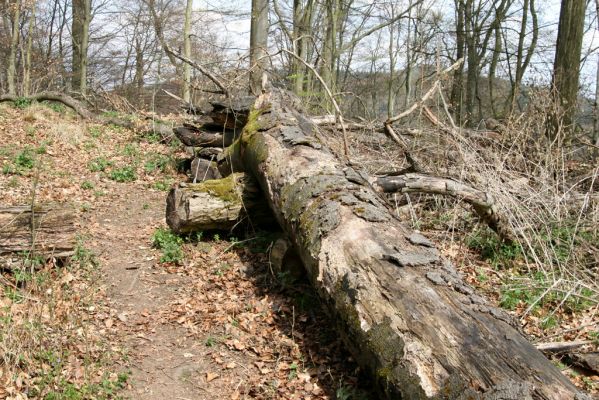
(142,314)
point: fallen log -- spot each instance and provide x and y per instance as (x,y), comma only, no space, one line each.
(59,97)
(404,312)
(195,138)
(215,204)
(46,232)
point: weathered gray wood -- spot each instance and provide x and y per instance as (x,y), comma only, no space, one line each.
(404,311)
(202,170)
(47,231)
(215,204)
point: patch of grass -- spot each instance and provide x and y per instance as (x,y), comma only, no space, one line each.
(124,174)
(99,164)
(170,244)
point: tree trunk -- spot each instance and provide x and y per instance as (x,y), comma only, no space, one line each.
(187,52)
(404,312)
(28,50)
(11,71)
(53,233)
(80,36)
(566,67)
(258,45)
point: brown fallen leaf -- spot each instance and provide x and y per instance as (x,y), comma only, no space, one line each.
(210,376)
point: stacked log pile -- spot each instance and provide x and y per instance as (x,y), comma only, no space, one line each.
(404,312)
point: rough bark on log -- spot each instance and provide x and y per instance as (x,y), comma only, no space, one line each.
(404,312)
(46,232)
(215,204)
(209,139)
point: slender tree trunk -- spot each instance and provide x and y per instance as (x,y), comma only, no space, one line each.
(11,70)
(258,45)
(187,52)
(409,60)
(457,87)
(27,74)
(80,33)
(596,104)
(493,68)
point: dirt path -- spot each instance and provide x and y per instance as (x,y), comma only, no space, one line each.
(217,326)
(163,360)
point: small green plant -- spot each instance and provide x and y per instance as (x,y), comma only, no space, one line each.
(54,106)
(170,244)
(25,159)
(111,114)
(99,164)
(493,249)
(549,322)
(95,131)
(157,162)
(87,185)
(130,150)
(124,174)
(22,103)
(210,341)
(163,185)
(30,130)
(292,372)
(83,256)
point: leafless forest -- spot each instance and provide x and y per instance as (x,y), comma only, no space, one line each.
(308,154)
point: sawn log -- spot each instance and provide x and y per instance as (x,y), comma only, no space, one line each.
(47,231)
(404,311)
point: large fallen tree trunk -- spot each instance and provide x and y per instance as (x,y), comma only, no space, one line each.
(46,232)
(404,312)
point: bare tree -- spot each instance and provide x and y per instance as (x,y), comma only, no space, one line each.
(11,69)
(566,67)
(80,39)
(258,44)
